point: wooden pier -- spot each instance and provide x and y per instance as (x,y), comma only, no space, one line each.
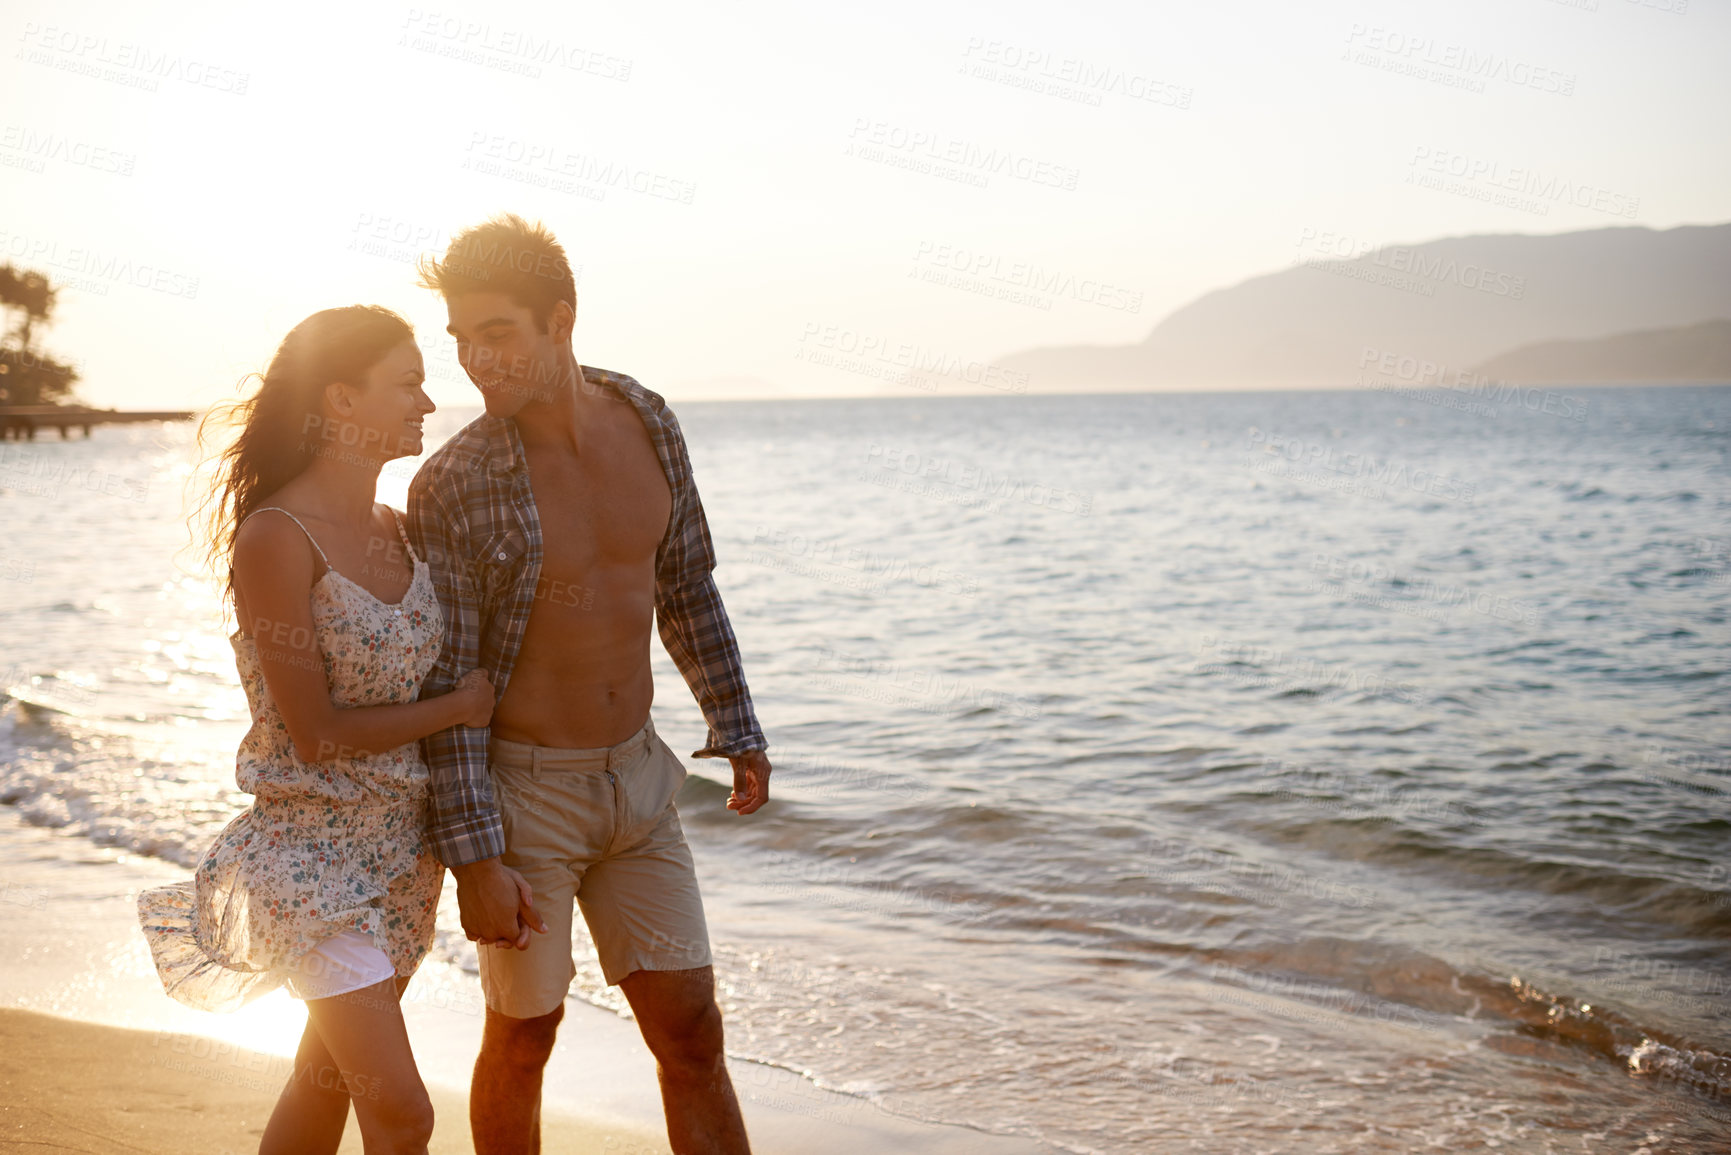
(20,422)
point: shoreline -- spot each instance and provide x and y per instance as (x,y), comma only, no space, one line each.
(96,1053)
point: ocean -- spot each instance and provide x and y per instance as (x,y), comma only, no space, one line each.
(1315,771)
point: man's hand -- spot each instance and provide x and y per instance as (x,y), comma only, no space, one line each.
(496,904)
(750,781)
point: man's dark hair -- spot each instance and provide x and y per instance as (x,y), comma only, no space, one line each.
(505,255)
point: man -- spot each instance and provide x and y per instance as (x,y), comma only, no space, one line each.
(557,525)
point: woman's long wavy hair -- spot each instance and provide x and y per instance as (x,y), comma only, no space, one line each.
(276,425)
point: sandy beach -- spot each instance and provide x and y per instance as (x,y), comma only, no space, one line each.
(95,1058)
(72,1086)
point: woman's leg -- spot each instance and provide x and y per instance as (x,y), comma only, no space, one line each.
(314,1107)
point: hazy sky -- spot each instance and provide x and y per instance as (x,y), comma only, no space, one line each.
(781,199)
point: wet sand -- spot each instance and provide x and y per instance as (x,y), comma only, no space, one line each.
(94,1057)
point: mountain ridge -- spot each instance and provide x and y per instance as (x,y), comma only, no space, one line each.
(1456,300)
(1699,353)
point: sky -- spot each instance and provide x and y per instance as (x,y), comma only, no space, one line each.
(775,200)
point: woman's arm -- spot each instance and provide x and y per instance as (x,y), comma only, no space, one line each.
(273,577)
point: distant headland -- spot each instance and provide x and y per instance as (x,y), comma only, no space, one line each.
(1629,305)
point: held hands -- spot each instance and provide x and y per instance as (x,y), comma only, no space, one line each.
(496,905)
(750,781)
(478,691)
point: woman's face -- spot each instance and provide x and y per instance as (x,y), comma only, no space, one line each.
(383,418)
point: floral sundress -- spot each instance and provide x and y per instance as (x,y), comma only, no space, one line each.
(324,847)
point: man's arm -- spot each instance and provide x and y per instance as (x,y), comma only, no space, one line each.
(464,826)
(693,622)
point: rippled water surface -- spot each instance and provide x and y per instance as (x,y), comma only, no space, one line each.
(1302,772)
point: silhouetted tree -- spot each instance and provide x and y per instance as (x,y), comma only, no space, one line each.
(26,376)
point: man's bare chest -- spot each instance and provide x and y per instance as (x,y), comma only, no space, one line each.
(606,503)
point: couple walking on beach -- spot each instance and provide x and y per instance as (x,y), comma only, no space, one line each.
(469,689)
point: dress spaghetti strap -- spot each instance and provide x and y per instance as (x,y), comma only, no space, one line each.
(297,521)
(403,533)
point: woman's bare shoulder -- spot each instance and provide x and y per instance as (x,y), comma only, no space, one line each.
(269,539)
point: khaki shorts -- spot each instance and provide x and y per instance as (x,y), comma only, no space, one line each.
(597,826)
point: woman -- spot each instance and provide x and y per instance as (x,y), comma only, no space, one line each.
(324,883)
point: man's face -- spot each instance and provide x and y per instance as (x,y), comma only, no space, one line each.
(510,361)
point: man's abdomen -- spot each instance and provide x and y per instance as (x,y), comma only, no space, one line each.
(582,676)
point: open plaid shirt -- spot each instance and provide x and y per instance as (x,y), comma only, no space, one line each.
(472,516)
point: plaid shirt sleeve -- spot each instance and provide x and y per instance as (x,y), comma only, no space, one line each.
(692,620)
(463,825)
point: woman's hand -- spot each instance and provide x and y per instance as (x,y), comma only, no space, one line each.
(477,689)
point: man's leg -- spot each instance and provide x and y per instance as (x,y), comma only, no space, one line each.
(505,1095)
(645,914)
(525,989)
(518,1033)
(677,1013)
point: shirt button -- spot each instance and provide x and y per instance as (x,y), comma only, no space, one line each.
(501,555)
